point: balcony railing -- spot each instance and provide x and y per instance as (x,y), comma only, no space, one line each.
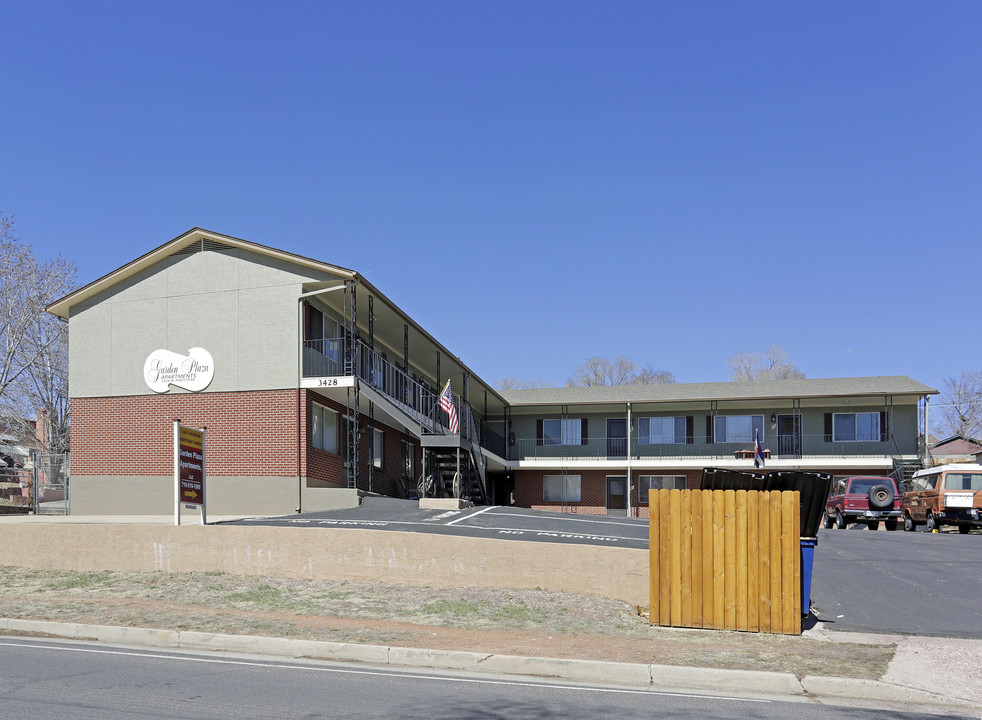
(775,447)
(326,358)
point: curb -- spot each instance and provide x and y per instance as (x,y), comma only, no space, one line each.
(636,675)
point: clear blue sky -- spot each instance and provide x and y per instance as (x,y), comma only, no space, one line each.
(536,183)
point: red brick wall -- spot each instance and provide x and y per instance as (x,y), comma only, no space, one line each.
(249,433)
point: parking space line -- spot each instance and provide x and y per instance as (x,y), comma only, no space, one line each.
(467,517)
(568,519)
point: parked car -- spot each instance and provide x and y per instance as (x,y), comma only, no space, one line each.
(863,498)
(944,495)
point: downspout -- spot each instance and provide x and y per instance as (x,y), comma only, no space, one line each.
(925,462)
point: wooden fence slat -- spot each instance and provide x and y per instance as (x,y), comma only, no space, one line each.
(729,559)
(753,560)
(764,575)
(789,540)
(654,561)
(741,559)
(685,551)
(777,621)
(674,520)
(665,605)
(695,507)
(719,562)
(708,555)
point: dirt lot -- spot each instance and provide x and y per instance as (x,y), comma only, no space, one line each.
(513,622)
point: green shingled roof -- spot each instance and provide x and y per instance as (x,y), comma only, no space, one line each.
(682,392)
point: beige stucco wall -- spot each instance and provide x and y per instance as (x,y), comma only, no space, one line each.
(332,554)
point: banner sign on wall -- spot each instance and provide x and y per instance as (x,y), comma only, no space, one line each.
(193,372)
(189,469)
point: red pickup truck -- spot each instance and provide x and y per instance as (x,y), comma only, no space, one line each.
(863,498)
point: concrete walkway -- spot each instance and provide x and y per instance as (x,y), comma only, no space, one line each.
(929,675)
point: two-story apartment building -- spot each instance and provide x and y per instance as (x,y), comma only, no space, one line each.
(316,389)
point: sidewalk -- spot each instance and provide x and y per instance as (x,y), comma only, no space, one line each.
(930,675)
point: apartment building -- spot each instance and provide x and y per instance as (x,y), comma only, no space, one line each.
(315,389)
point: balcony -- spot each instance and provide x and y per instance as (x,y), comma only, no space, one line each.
(784,447)
(416,399)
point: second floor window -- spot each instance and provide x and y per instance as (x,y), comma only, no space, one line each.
(856,427)
(662,430)
(738,428)
(567,431)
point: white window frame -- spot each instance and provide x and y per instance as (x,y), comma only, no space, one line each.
(678,482)
(756,422)
(324,428)
(841,435)
(646,438)
(562,488)
(569,432)
(378,447)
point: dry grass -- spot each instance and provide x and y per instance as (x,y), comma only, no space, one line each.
(518,622)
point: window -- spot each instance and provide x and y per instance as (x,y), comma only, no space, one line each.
(321,333)
(408,460)
(963,481)
(378,447)
(568,431)
(324,428)
(738,428)
(658,482)
(661,430)
(856,427)
(561,488)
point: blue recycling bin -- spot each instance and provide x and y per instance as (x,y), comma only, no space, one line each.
(807,559)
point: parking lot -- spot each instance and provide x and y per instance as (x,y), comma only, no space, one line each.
(885,582)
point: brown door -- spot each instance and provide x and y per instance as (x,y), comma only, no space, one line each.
(617,495)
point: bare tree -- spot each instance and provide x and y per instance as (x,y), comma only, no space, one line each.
(620,371)
(512,383)
(772,365)
(961,405)
(33,344)
(647,375)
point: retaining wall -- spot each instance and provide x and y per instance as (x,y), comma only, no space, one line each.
(354,555)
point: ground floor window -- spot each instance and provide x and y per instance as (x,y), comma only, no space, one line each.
(658,482)
(561,488)
(324,428)
(378,447)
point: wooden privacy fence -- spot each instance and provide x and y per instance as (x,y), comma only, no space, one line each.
(725,559)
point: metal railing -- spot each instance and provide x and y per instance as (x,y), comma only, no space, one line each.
(777,446)
(325,358)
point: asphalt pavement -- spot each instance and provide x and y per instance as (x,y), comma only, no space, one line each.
(489,521)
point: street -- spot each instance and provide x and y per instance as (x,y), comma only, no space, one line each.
(81,681)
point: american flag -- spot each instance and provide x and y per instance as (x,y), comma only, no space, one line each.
(446,402)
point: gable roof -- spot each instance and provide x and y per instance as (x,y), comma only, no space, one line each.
(62,306)
(693,392)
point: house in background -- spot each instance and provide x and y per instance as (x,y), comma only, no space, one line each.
(955,449)
(316,390)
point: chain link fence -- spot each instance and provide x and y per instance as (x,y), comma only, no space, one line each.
(42,489)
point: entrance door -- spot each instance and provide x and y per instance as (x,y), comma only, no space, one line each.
(617,495)
(789,435)
(616,437)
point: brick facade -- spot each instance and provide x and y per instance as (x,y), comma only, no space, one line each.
(255,434)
